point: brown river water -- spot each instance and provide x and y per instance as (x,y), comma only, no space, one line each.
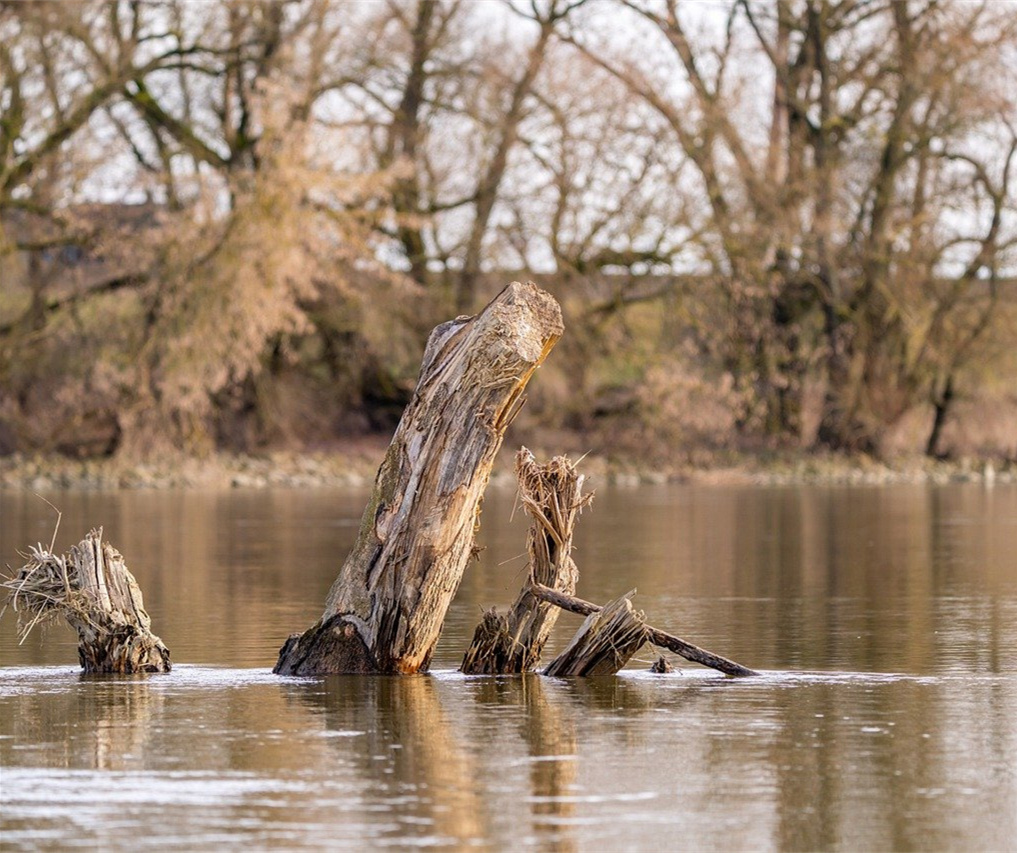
(883,619)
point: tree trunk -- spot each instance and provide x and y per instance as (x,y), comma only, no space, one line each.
(942,405)
(92,588)
(553,496)
(385,610)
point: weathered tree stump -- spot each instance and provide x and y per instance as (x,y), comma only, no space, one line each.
(605,642)
(385,610)
(93,589)
(553,496)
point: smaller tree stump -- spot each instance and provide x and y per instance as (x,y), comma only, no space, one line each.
(604,643)
(553,496)
(92,588)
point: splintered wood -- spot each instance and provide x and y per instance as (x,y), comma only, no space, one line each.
(553,496)
(385,610)
(606,641)
(92,588)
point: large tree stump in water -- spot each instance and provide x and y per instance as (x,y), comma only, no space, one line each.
(385,610)
(553,496)
(93,589)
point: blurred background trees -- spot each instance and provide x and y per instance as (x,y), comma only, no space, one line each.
(771,224)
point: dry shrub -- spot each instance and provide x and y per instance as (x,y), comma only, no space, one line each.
(241,288)
(680,407)
(43,589)
(983,427)
(61,391)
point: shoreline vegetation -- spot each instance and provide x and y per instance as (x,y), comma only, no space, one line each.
(773,228)
(354,463)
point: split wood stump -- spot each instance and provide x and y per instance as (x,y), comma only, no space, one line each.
(607,640)
(93,589)
(385,610)
(553,496)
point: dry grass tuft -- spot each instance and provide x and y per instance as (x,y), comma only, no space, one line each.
(43,589)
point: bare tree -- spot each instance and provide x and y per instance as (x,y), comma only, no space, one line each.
(831,216)
(811,202)
(215,126)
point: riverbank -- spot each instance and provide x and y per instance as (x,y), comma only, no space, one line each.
(354,463)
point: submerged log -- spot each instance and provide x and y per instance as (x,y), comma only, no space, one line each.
(92,588)
(653,635)
(605,642)
(385,610)
(553,496)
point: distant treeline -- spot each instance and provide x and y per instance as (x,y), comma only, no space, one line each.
(771,224)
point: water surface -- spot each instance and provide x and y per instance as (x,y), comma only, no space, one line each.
(884,619)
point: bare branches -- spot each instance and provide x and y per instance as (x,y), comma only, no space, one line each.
(506,133)
(835,174)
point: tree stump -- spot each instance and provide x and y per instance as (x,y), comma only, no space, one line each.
(385,610)
(553,496)
(93,589)
(604,643)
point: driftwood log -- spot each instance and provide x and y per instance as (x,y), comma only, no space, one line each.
(655,636)
(553,496)
(93,589)
(385,610)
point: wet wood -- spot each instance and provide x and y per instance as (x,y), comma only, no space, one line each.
(604,643)
(661,666)
(385,610)
(553,496)
(655,636)
(93,589)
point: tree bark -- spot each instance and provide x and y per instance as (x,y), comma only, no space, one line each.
(93,589)
(553,496)
(385,610)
